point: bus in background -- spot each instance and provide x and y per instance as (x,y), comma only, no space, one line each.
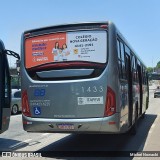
(81,78)
(5,90)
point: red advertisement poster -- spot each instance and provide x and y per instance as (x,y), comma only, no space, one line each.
(43,49)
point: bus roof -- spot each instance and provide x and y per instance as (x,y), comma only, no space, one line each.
(67,25)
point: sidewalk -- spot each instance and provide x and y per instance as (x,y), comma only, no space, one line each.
(152,87)
(153,139)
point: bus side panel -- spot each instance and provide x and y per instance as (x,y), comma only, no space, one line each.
(113,81)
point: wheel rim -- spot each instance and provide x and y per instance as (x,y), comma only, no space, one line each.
(14,109)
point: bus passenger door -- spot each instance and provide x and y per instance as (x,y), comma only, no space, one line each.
(130,96)
(5,90)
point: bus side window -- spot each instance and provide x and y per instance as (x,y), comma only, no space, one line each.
(118,49)
(119,59)
(123,62)
(144,77)
(127,52)
(133,68)
(122,51)
(123,70)
(136,70)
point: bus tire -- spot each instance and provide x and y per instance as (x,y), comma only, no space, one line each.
(14,109)
(143,115)
(147,103)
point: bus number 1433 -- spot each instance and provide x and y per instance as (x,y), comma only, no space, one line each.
(92,89)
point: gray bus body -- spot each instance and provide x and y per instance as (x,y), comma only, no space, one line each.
(105,91)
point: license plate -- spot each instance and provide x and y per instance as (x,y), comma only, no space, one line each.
(65,126)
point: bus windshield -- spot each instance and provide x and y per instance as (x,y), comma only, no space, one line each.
(89,46)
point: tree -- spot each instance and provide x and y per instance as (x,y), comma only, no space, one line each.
(158,65)
(150,69)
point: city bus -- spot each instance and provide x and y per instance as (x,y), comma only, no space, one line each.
(81,78)
(5,90)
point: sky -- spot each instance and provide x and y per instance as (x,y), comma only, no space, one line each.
(137,20)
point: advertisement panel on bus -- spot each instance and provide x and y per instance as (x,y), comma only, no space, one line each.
(70,46)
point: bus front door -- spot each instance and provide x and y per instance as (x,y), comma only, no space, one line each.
(5,90)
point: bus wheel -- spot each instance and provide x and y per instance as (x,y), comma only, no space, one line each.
(133,130)
(143,115)
(14,109)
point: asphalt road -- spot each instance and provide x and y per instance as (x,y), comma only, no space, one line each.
(146,139)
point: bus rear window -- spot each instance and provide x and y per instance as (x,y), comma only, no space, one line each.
(89,46)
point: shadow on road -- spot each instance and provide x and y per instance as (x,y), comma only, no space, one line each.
(90,145)
(11,144)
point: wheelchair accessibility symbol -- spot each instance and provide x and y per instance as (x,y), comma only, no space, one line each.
(37,111)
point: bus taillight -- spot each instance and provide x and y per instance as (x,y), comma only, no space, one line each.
(25,104)
(110,107)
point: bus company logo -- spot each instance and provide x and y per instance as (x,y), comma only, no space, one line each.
(75,51)
(37,54)
(39,92)
(81,101)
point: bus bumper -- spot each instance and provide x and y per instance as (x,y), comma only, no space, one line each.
(86,125)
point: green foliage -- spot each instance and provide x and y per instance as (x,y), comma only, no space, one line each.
(15,81)
(158,62)
(158,65)
(150,69)
(154,69)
